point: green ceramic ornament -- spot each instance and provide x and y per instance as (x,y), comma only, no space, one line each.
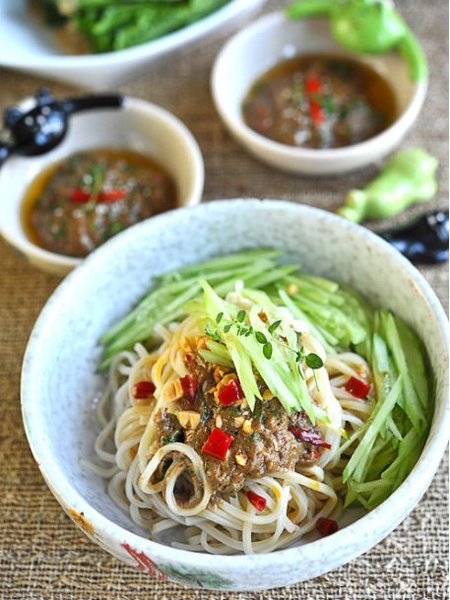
(367,27)
(409,177)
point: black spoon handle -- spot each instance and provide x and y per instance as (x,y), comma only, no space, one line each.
(424,240)
(72,105)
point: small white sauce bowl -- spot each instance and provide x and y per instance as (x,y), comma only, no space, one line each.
(60,383)
(137,125)
(275,38)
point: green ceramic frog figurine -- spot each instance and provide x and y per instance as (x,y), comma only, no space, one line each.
(367,27)
(409,177)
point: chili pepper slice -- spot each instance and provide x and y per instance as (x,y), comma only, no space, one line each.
(312,437)
(81,195)
(217,444)
(189,386)
(358,388)
(231,393)
(111,195)
(312,85)
(258,501)
(316,112)
(326,526)
(143,389)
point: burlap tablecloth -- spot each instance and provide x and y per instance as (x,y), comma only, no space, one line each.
(42,555)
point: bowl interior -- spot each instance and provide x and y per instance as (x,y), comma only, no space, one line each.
(138,125)
(60,385)
(275,38)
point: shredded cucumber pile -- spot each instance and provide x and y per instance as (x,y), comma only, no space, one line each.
(386,447)
(117,24)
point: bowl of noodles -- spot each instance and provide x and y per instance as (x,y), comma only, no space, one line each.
(233,400)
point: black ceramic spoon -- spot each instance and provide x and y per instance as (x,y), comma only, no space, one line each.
(424,240)
(39,124)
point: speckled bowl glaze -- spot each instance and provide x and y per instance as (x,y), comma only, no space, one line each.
(138,125)
(59,381)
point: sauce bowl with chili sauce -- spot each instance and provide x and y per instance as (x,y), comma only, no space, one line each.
(114,169)
(299,102)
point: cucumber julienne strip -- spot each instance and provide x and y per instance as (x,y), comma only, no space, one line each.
(387,446)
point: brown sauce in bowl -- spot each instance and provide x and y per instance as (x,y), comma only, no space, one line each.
(75,205)
(320,101)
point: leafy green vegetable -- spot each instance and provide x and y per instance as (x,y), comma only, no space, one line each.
(118,24)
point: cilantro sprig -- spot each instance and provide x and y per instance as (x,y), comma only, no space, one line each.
(311,360)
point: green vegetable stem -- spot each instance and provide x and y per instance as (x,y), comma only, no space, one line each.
(409,177)
(367,26)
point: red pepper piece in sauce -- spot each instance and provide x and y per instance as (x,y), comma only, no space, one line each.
(231,393)
(258,501)
(189,386)
(111,195)
(358,388)
(79,195)
(312,437)
(217,444)
(326,526)
(313,88)
(143,389)
(316,111)
(83,196)
(312,85)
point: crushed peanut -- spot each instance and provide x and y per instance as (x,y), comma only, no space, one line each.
(247,426)
(219,421)
(189,419)
(241,459)
(267,395)
(275,444)
(238,421)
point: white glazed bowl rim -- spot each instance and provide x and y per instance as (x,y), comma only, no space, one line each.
(28,248)
(422,472)
(149,49)
(264,144)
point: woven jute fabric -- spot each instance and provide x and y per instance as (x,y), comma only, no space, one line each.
(42,555)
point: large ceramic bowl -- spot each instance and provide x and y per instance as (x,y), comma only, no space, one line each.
(274,38)
(28,45)
(137,125)
(59,380)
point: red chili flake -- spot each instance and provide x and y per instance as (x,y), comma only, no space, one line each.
(231,393)
(326,526)
(312,85)
(143,389)
(316,111)
(189,386)
(358,388)
(104,196)
(111,195)
(258,501)
(312,437)
(217,444)
(189,383)
(79,195)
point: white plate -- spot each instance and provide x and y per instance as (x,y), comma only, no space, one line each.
(30,46)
